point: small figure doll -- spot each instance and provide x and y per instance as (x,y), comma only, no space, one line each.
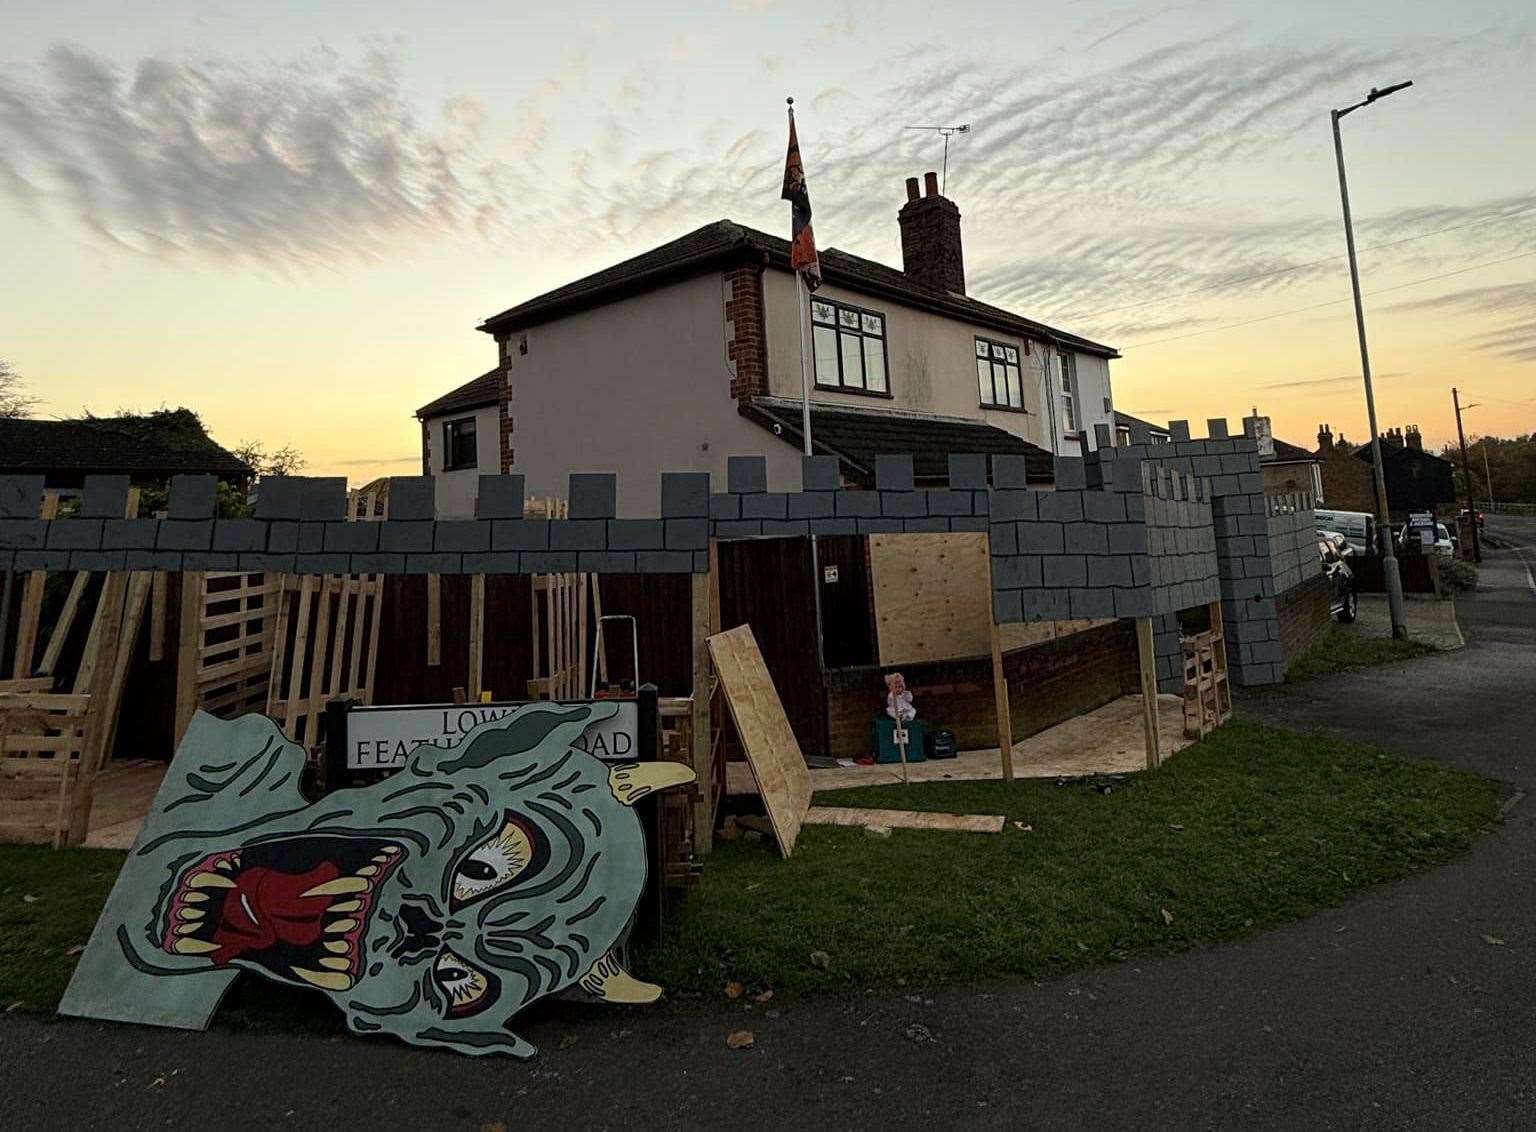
(898,701)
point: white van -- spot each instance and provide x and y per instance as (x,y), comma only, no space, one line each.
(1357,527)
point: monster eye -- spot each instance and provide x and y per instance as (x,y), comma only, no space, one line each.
(467,989)
(497,861)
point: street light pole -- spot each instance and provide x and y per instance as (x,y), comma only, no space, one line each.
(1466,474)
(1389,568)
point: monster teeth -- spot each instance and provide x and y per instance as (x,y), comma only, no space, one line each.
(345,906)
(368,871)
(381,859)
(334,963)
(390,849)
(336,947)
(224,864)
(190,914)
(189,929)
(210,880)
(341,886)
(194,898)
(325,980)
(341,927)
(189,946)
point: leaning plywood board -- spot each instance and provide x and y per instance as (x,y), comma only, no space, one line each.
(933,596)
(783,779)
(904,819)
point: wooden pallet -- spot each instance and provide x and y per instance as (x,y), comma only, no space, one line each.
(1207,691)
(42,741)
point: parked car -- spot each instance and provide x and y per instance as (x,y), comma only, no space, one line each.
(1340,543)
(1443,544)
(1358,527)
(1344,600)
(1479,515)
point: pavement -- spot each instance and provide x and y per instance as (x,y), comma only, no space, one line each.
(1411,1006)
(1431,620)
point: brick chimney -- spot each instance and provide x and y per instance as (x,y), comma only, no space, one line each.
(1324,438)
(1412,438)
(930,238)
(1392,439)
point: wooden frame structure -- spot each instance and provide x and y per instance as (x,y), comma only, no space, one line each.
(1207,691)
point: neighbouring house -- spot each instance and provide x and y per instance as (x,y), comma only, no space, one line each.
(1133,430)
(690,352)
(1416,480)
(149,448)
(1290,468)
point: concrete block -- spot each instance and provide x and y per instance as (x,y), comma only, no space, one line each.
(445,563)
(858,504)
(701,561)
(1178,430)
(460,536)
(969,523)
(765,505)
(371,563)
(212,560)
(282,536)
(1011,505)
(311,538)
(345,538)
(786,528)
(1003,538)
(578,534)
(74,534)
(1216,428)
(967,471)
(903,504)
(413,497)
(930,524)
(1009,472)
(1007,608)
(1103,507)
(396,536)
(132,560)
(192,497)
(1071,473)
(1092,603)
(1042,538)
(1061,506)
(23,534)
(834,526)
(183,534)
(279,497)
(665,561)
(1102,437)
(738,528)
(243,536)
(1127,538)
(322,563)
(593,495)
(500,497)
(880,526)
(1064,570)
(322,498)
(1016,572)
(812,504)
(21,497)
(1251,483)
(637,534)
(1136,508)
(820,473)
(746,475)
(687,534)
(1133,603)
(492,562)
(725,507)
(105,497)
(893,473)
(161,560)
(685,495)
(1046,605)
(97,560)
(258,562)
(606,562)
(1086,538)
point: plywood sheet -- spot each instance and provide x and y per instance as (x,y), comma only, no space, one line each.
(783,779)
(905,819)
(933,596)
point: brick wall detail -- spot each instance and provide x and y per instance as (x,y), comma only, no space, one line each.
(746,342)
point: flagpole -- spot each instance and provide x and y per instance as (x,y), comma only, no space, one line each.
(802,313)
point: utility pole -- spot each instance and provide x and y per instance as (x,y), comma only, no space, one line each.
(1466,474)
(1389,567)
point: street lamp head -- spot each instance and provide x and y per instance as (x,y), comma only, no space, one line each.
(1382,93)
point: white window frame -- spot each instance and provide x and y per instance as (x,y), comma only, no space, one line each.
(862,334)
(995,356)
(1066,387)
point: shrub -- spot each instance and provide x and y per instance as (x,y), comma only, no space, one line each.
(1458,575)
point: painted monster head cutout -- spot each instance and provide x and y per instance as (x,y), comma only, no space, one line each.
(432,906)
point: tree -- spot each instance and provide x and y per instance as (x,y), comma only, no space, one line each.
(284,461)
(13,401)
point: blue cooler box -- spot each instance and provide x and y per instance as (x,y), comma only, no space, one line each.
(882,727)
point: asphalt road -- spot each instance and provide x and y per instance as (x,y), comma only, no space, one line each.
(1395,1010)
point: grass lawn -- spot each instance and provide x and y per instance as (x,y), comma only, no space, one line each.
(1247,829)
(1341,651)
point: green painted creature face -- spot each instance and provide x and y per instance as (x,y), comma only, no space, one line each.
(432,906)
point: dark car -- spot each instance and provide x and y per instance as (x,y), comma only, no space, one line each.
(1343,598)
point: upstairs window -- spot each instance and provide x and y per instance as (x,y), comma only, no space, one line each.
(1066,375)
(997,375)
(849,346)
(459,445)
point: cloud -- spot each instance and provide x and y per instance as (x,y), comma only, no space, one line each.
(300,163)
(1346,379)
(1511,305)
(377,461)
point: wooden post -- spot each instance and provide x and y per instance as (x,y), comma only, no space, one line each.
(32,603)
(434,620)
(1147,658)
(703,752)
(1000,701)
(189,641)
(63,625)
(476,636)
(158,593)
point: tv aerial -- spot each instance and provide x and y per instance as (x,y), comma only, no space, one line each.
(945,132)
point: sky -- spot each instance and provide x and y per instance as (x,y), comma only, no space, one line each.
(291,216)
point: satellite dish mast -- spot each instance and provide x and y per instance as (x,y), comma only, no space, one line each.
(945,132)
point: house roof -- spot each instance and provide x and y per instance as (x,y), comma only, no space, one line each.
(857,436)
(139,446)
(482,390)
(725,241)
(1289,454)
(1133,423)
